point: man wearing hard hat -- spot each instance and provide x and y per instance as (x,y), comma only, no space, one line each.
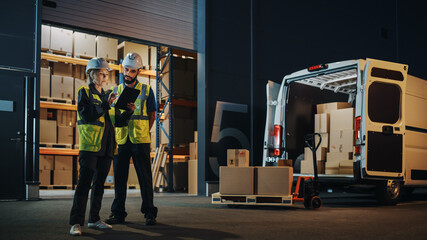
(134,141)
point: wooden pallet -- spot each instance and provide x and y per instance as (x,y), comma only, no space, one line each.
(133,186)
(56,187)
(56,100)
(55,145)
(56,52)
(263,200)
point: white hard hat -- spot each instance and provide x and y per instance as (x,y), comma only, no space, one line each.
(132,61)
(97,63)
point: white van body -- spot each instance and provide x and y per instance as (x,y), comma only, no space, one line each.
(390,105)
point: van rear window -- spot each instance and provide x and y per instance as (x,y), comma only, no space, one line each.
(384,102)
(387,74)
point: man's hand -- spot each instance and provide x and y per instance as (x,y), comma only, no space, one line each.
(131,106)
(111,98)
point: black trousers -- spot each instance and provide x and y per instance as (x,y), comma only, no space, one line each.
(92,169)
(140,154)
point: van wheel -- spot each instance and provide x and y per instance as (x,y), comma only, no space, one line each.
(388,192)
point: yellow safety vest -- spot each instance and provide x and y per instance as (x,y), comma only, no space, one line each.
(90,132)
(138,127)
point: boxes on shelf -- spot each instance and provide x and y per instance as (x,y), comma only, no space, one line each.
(76,142)
(62,177)
(193,150)
(84,45)
(328,107)
(45,177)
(61,40)
(341,141)
(63,87)
(62,69)
(45,38)
(106,48)
(45,82)
(66,118)
(342,119)
(63,162)
(321,123)
(274,180)
(192,176)
(65,135)
(237,180)
(43,113)
(195,136)
(47,131)
(237,158)
(153,58)
(46,162)
(129,47)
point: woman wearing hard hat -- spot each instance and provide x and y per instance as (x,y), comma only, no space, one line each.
(96,144)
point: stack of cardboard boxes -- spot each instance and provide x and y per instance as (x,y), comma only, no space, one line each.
(334,122)
(56,170)
(240,179)
(60,131)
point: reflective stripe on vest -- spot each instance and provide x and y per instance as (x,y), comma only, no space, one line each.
(90,132)
(138,127)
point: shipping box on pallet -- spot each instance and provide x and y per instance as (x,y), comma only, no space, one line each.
(192,176)
(274,180)
(46,162)
(62,177)
(45,82)
(84,45)
(106,48)
(63,162)
(62,87)
(237,180)
(48,131)
(237,158)
(61,40)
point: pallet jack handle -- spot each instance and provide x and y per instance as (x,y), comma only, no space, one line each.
(311,143)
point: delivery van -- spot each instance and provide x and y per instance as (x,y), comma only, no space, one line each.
(389,149)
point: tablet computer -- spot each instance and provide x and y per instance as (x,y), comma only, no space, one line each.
(129,95)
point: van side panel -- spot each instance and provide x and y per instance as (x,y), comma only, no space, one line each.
(416,131)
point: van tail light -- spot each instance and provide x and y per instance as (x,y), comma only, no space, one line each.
(356,135)
(277,144)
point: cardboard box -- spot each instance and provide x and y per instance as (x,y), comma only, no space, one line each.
(47,131)
(62,87)
(274,180)
(153,58)
(321,123)
(195,136)
(45,38)
(63,162)
(61,40)
(129,47)
(332,171)
(62,177)
(66,118)
(45,177)
(308,168)
(46,162)
(77,84)
(341,141)
(339,167)
(325,140)
(65,135)
(328,107)
(43,113)
(338,156)
(84,45)
(237,158)
(44,82)
(237,180)
(320,154)
(62,69)
(193,150)
(285,162)
(76,129)
(192,176)
(342,119)
(106,48)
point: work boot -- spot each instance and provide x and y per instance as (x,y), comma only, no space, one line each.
(150,221)
(114,219)
(99,225)
(76,230)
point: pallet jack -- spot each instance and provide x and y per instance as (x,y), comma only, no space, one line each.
(307,188)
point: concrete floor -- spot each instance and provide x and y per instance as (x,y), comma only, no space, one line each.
(343,216)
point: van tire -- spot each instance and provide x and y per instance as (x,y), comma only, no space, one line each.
(388,192)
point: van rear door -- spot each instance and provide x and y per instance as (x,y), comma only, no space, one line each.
(385,121)
(272,96)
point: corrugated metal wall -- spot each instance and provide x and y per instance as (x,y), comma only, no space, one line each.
(169,22)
